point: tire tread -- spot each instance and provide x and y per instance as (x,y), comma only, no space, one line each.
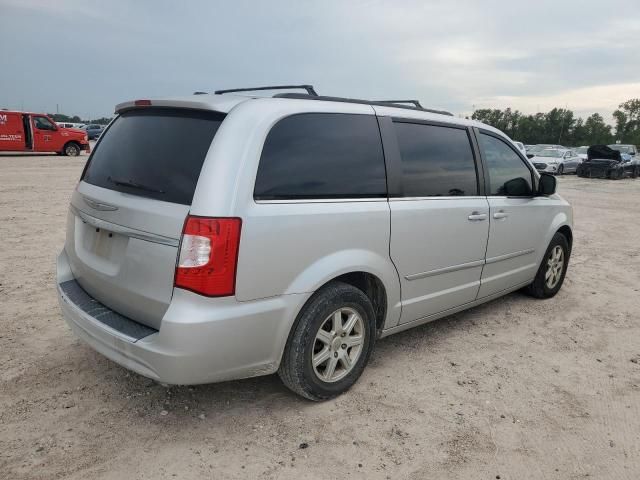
(291,369)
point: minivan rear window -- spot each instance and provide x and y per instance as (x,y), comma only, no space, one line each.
(156,153)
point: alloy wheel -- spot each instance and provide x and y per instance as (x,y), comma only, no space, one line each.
(338,345)
(72,151)
(555,265)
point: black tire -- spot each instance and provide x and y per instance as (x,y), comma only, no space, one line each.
(71,149)
(580,171)
(296,368)
(615,174)
(561,169)
(635,172)
(539,288)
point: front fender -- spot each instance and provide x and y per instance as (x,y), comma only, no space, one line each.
(561,219)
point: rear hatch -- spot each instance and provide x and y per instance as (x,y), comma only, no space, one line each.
(127,214)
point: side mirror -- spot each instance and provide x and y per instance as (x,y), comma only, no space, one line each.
(517,187)
(547,184)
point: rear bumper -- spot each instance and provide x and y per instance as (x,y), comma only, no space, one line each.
(201,340)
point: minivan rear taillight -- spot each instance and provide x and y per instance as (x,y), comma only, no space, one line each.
(209,256)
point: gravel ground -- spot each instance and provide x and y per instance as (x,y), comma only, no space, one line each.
(515,389)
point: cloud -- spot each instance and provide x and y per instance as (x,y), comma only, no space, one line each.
(450,55)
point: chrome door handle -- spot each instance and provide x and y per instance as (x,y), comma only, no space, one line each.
(500,215)
(477,217)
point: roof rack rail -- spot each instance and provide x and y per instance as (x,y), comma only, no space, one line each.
(309,88)
(384,103)
(415,103)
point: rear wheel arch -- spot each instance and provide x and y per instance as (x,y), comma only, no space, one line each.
(371,285)
(373,288)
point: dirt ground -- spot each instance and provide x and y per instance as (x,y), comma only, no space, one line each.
(515,389)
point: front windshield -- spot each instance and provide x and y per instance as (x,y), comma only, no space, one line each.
(582,149)
(621,148)
(550,153)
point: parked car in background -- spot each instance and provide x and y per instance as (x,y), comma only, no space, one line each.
(521,147)
(37,132)
(93,130)
(541,146)
(288,234)
(69,125)
(582,151)
(556,161)
(628,149)
(603,161)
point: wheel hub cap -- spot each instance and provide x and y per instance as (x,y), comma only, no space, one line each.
(555,266)
(338,345)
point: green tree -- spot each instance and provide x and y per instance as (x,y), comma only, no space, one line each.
(597,131)
(559,125)
(579,133)
(628,121)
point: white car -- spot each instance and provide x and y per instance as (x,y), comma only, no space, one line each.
(521,147)
(556,161)
(582,152)
(68,124)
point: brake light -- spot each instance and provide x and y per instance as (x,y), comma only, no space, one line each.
(142,103)
(209,256)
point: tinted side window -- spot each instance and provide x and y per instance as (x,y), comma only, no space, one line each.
(43,123)
(436,161)
(508,175)
(322,155)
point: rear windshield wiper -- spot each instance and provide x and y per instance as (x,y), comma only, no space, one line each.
(132,184)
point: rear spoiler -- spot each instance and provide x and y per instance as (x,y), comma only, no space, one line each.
(215,103)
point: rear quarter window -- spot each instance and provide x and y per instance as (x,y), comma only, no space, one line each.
(322,155)
(155,153)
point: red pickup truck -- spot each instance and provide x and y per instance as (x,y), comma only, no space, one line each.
(36,132)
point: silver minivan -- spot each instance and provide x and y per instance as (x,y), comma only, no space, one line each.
(223,236)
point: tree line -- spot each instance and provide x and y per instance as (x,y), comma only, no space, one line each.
(560,126)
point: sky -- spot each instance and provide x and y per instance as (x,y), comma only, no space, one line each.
(85,56)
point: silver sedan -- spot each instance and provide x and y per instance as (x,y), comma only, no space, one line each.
(556,161)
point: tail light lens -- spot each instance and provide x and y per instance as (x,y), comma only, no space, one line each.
(209,256)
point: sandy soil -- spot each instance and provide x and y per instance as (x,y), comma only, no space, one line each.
(516,389)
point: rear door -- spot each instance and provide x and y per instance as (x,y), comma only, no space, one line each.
(128,211)
(12,137)
(439,217)
(518,221)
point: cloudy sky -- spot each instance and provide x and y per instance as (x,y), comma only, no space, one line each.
(88,55)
